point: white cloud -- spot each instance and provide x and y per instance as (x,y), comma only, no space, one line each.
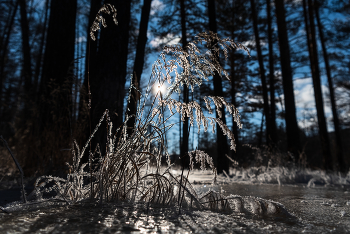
(169,39)
(156,5)
(305,102)
(304,96)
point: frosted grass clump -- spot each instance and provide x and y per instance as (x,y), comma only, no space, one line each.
(123,171)
(285,175)
(271,166)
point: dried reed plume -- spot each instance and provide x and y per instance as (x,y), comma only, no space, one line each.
(124,171)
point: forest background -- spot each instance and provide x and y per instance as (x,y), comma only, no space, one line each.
(293,92)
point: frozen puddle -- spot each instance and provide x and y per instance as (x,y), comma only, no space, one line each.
(112,218)
(319,209)
(254,209)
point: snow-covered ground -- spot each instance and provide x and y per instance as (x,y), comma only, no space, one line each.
(260,200)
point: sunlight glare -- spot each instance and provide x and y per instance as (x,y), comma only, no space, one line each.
(160,88)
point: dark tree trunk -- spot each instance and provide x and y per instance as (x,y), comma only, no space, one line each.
(56,85)
(262,71)
(272,76)
(261,130)
(58,57)
(339,147)
(41,49)
(107,87)
(221,141)
(292,128)
(27,69)
(315,71)
(138,64)
(84,114)
(4,47)
(185,133)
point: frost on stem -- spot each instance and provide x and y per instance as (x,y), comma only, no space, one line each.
(107,9)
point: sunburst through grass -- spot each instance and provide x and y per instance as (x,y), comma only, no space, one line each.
(124,171)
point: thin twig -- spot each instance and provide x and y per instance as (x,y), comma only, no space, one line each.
(19,168)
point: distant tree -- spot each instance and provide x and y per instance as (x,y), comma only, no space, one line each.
(27,65)
(233,21)
(107,84)
(184,146)
(39,62)
(221,141)
(339,147)
(185,19)
(271,75)
(315,71)
(56,80)
(59,55)
(261,72)
(169,24)
(139,63)
(292,129)
(84,116)
(5,39)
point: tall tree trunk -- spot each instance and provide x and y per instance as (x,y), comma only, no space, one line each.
(27,69)
(138,64)
(339,147)
(3,51)
(41,49)
(58,58)
(107,87)
(84,115)
(222,146)
(184,146)
(262,72)
(56,84)
(59,55)
(271,76)
(315,71)
(287,77)
(261,130)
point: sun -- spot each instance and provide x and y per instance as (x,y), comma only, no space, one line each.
(160,88)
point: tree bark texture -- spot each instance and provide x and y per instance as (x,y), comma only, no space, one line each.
(4,48)
(107,85)
(56,83)
(39,61)
(262,72)
(184,147)
(292,128)
(138,64)
(315,71)
(221,141)
(271,76)
(27,69)
(84,112)
(339,146)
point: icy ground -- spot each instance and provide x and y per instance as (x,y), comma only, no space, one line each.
(263,200)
